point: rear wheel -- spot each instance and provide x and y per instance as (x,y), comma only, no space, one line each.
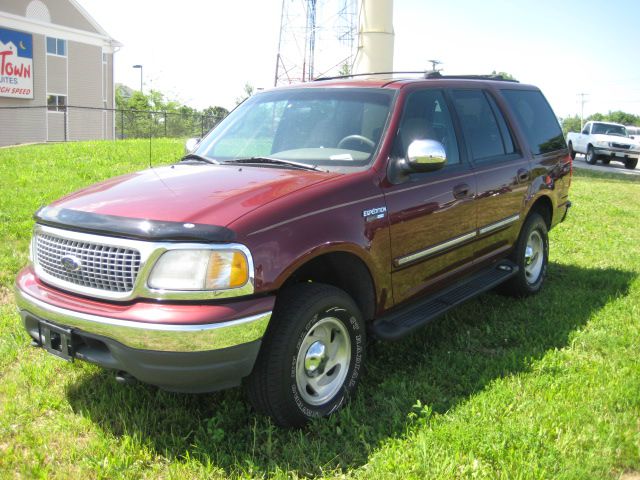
(572,152)
(531,254)
(591,156)
(311,357)
(631,163)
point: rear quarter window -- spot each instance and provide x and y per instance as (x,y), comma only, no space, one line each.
(536,119)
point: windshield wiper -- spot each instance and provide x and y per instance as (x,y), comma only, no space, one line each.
(273,161)
(198,158)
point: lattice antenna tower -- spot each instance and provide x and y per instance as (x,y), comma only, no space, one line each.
(317,38)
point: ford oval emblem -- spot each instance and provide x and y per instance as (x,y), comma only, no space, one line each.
(71,263)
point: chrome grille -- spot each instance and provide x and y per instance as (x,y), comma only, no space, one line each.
(623,146)
(103,267)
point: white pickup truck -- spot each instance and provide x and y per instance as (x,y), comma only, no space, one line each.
(606,141)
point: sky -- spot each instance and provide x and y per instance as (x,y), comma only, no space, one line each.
(203,52)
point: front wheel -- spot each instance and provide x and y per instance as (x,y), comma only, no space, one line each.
(311,357)
(631,163)
(591,156)
(531,254)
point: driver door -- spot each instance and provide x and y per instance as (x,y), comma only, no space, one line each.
(583,138)
(432,215)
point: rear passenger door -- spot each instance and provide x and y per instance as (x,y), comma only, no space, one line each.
(502,171)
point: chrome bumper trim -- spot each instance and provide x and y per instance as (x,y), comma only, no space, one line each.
(151,336)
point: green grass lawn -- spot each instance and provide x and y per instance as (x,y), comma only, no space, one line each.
(547,387)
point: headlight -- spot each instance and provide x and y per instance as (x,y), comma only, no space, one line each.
(200,270)
(600,143)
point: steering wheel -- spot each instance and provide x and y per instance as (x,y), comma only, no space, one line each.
(356,138)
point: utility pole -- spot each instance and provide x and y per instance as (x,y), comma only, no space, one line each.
(582,101)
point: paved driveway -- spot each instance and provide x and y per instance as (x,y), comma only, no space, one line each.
(613,167)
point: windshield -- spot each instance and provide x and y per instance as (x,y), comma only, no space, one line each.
(316,126)
(606,129)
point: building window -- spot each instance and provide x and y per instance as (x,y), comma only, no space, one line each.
(56,46)
(57,103)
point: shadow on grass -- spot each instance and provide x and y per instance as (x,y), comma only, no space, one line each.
(442,365)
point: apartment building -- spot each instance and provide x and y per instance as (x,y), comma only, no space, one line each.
(54,59)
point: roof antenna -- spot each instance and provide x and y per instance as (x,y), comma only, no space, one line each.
(434,65)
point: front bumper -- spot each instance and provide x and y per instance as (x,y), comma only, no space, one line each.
(617,153)
(151,336)
(186,356)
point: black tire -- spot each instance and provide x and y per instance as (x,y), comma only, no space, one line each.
(528,280)
(572,152)
(631,163)
(290,358)
(591,157)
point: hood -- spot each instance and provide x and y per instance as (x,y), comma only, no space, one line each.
(202,194)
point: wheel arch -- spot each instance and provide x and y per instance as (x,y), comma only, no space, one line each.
(340,267)
(543,205)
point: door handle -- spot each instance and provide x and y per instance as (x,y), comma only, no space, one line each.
(461,191)
(522,175)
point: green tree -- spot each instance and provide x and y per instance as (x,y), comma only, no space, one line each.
(247,92)
(570,124)
(212,116)
(123,94)
(141,115)
(345,70)
(623,117)
(505,75)
(219,112)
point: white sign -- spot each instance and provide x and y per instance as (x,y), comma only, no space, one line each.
(16,64)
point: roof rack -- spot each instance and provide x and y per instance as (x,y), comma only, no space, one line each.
(427,74)
(492,76)
(321,79)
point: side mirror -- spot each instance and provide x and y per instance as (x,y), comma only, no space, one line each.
(191,144)
(426,156)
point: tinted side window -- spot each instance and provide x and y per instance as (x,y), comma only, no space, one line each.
(538,121)
(426,117)
(480,125)
(504,129)
(586,128)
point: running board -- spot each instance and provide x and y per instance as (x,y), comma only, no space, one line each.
(397,324)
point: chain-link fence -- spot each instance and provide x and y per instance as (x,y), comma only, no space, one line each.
(63,123)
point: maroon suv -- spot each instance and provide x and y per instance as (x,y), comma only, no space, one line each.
(310,218)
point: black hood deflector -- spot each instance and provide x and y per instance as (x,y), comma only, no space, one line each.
(135,228)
